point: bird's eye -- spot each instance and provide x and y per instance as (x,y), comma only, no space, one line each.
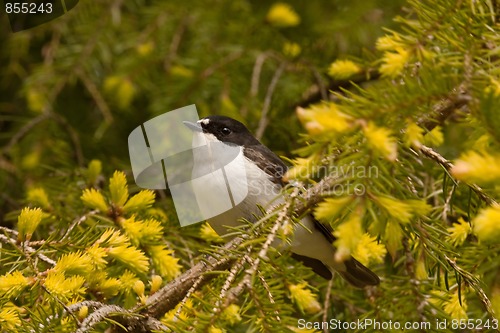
(225,131)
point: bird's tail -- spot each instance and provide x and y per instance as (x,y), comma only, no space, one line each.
(358,275)
(351,270)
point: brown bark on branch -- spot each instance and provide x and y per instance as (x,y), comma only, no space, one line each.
(171,294)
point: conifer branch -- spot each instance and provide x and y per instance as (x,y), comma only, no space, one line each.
(280,223)
(227,284)
(76,222)
(255,81)
(230,279)
(175,42)
(269,294)
(257,69)
(209,71)
(175,291)
(474,283)
(267,101)
(445,109)
(24,131)
(73,135)
(433,155)
(27,249)
(90,304)
(191,290)
(130,321)
(315,94)
(170,295)
(326,303)
(94,91)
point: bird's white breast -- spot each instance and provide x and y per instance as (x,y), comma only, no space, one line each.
(258,189)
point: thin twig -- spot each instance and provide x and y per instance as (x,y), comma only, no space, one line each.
(257,69)
(50,50)
(283,216)
(77,222)
(24,130)
(432,154)
(96,95)
(229,280)
(188,294)
(326,303)
(176,41)
(444,110)
(10,231)
(208,72)
(446,206)
(219,306)
(93,305)
(100,314)
(269,294)
(281,220)
(170,295)
(7,240)
(267,101)
(133,322)
(255,81)
(315,95)
(224,61)
(321,85)
(61,303)
(73,135)
(73,308)
(474,282)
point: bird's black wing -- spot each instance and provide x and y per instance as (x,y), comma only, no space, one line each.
(267,161)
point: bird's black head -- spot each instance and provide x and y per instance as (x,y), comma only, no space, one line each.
(228,130)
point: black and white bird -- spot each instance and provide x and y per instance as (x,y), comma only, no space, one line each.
(311,242)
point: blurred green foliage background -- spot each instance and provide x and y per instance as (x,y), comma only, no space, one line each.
(72,90)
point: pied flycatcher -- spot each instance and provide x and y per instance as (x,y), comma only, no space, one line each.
(312,241)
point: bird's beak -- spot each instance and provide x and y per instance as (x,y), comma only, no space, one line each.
(195,127)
